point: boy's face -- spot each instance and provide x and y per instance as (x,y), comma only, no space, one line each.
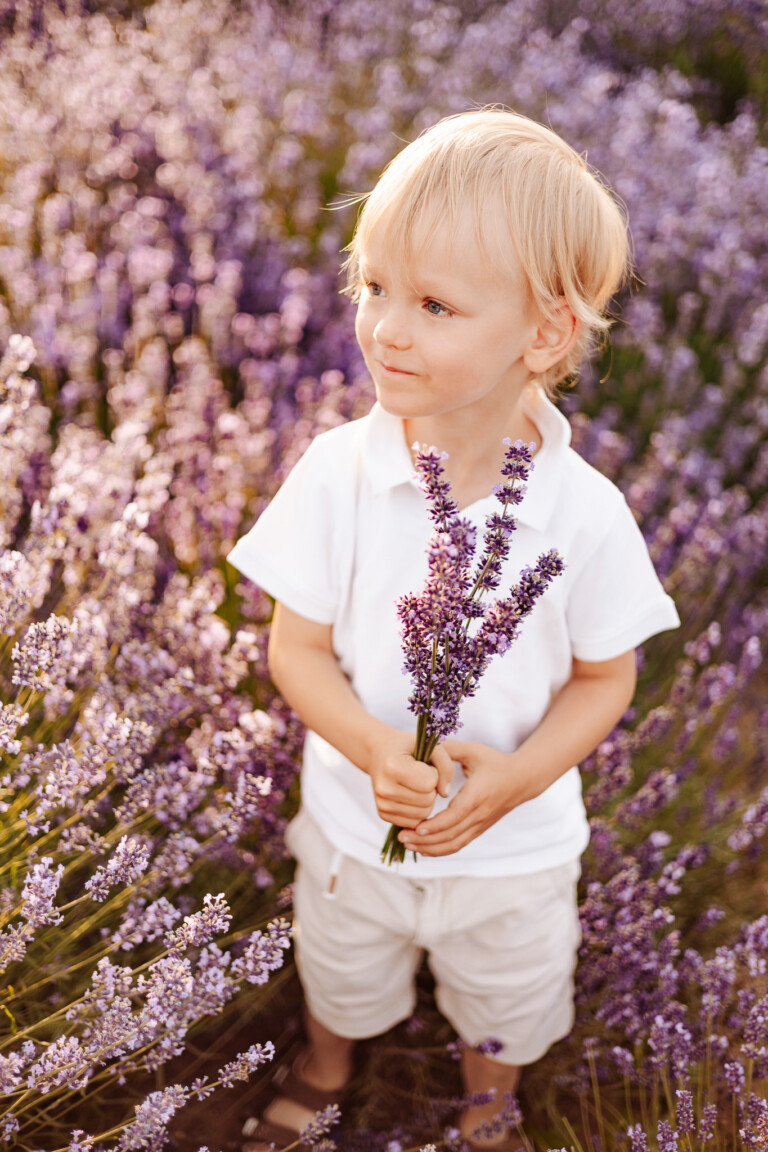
(446,332)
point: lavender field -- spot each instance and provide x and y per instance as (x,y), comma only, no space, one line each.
(171,338)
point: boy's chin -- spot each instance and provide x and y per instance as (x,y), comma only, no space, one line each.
(400,407)
(391,405)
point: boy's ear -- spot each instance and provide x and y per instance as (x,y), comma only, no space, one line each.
(554,338)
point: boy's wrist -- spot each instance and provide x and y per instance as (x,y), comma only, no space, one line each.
(525,781)
(374,736)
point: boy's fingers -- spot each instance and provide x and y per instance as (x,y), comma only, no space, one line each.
(421,780)
(445,769)
(401,819)
(410,775)
(442,843)
(461,750)
(458,809)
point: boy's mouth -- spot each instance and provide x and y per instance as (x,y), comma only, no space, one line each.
(396,371)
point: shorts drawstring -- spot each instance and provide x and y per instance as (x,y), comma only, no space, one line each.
(330,891)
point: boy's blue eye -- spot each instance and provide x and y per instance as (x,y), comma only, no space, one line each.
(374,288)
(435,308)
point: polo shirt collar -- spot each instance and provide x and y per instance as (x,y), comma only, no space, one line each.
(387,460)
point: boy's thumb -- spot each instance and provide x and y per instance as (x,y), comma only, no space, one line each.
(445,770)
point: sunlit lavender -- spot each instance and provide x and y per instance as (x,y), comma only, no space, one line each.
(171,338)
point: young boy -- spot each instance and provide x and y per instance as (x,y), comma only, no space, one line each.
(482,265)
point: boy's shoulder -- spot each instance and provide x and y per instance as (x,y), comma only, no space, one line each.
(588,505)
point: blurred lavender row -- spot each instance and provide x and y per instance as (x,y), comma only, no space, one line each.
(173,337)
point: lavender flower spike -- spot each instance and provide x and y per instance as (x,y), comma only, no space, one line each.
(128,862)
(247,1062)
(320,1124)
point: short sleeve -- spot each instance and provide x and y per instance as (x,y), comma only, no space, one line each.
(616,600)
(297,549)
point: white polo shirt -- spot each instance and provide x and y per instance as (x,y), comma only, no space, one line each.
(346,536)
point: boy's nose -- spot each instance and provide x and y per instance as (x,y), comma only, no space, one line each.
(391,330)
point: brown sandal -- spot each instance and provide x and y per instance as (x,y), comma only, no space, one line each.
(287,1084)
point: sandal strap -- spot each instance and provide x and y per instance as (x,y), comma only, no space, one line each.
(263,1132)
(289,1085)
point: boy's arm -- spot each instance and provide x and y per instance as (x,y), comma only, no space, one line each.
(304,667)
(582,714)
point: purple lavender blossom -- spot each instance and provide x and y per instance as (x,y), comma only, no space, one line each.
(40,887)
(511,1112)
(264,953)
(9,1126)
(152,1117)
(667,1137)
(320,1124)
(638,1138)
(754,1132)
(13,944)
(247,1062)
(167,991)
(41,657)
(625,1062)
(142,921)
(81,1141)
(684,1111)
(201,1089)
(16,583)
(10,1072)
(734,1076)
(11,718)
(246,804)
(112,1033)
(444,656)
(128,861)
(708,1124)
(62,1062)
(201,927)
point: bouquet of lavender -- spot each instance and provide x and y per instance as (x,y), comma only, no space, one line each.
(446,652)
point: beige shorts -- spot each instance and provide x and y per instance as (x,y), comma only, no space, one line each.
(502,950)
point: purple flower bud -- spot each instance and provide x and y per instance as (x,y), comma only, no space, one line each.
(708,1122)
(264,953)
(201,927)
(39,891)
(684,1111)
(152,1118)
(667,1137)
(13,944)
(42,657)
(128,861)
(62,1062)
(80,1141)
(247,1062)
(320,1124)
(735,1077)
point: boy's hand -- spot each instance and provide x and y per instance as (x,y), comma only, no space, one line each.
(494,786)
(406,789)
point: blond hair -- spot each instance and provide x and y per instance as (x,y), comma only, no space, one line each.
(564,226)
